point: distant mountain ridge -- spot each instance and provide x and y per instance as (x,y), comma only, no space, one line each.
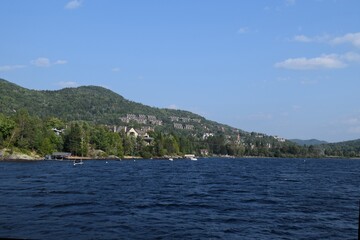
(309,142)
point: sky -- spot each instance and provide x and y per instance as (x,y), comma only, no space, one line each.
(289,68)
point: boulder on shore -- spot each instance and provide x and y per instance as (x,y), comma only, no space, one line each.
(6,155)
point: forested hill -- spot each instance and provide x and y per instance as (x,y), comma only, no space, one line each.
(342,149)
(27,121)
(307,142)
(91,103)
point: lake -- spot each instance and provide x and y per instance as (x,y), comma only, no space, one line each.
(159,199)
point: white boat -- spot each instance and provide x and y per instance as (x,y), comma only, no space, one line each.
(191,157)
(78,162)
(171,159)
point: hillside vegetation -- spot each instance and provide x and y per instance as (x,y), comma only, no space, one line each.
(307,142)
(94,121)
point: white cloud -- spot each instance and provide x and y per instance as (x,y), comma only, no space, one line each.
(60,62)
(352,121)
(353,38)
(116,69)
(302,38)
(45,62)
(354,130)
(173,106)
(290,2)
(41,62)
(243,30)
(68,84)
(351,57)
(73,4)
(323,62)
(352,124)
(7,68)
(296,107)
(307,39)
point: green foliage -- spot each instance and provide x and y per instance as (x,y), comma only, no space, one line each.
(28,119)
(7,126)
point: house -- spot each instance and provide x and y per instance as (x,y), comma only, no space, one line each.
(280,139)
(133,133)
(189,127)
(59,155)
(174,119)
(178,126)
(207,135)
(140,133)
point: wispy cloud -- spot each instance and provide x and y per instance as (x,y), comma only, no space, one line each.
(41,62)
(351,57)
(331,61)
(282,5)
(68,84)
(60,62)
(7,68)
(73,4)
(116,69)
(307,39)
(322,62)
(352,124)
(243,30)
(173,106)
(290,2)
(352,38)
(45,62)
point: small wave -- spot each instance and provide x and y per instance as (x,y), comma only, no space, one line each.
(75,204)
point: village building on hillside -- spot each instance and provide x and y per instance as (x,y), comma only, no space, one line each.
(207,135)
(280,139)
(140,133)
(178,126)
(184,119)
(142,119)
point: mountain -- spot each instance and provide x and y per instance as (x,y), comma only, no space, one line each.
(101,106)
(342,149)
(309,142)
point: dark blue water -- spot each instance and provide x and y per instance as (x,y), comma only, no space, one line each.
(205,199)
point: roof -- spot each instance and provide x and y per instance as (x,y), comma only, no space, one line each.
(61,154)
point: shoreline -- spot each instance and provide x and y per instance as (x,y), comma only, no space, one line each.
(129,158)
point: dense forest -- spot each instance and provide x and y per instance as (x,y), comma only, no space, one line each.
(25,133)
(95,122)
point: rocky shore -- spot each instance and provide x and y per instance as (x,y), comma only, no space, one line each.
(9,155)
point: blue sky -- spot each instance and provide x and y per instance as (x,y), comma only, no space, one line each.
(282,67)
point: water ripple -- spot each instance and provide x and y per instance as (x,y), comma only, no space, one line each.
(207,199)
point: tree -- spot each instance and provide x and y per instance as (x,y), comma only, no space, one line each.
(7,126)
(129,145)
(76,140)
(29,131)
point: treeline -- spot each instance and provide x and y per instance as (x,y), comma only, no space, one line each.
(26,133)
